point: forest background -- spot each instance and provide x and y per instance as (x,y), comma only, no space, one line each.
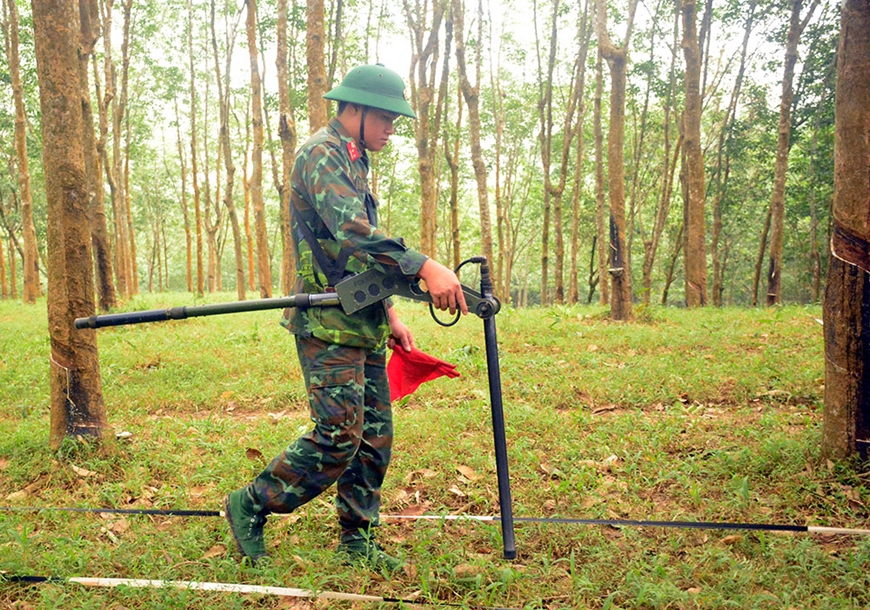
(519,122)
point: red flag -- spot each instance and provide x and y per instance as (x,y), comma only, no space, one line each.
(407,370)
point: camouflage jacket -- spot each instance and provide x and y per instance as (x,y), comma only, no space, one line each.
(331,193)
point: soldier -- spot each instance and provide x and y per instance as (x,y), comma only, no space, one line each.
(343,357)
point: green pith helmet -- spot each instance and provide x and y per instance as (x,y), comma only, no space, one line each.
(373,86)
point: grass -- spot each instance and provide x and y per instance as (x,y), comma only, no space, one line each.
(711,415)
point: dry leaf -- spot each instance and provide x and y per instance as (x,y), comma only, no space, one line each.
(217,550)
(423,473)
(468,473)
(278,415)
(414,510)
(255,455)
(81,471)
(16,495)
(592,348)
(731,540)
(120,526)
(4,463)
(465,570)
(457,491)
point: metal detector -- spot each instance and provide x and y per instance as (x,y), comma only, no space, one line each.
(353,294)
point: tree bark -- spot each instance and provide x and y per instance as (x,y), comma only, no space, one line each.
(424,98)
(4,290)
(30,259)
(471,93)
(194,161)
(264,269)
(77,407)
(669,167)
(777,201)
(695,256)
(223,83)
(617,57)
(723,164)
(287,134)
(846,427)
(601,209)
(107,299)
(315,34)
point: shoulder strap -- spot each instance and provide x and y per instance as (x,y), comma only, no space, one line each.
(332,269)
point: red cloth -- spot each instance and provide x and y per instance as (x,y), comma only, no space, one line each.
(407,370)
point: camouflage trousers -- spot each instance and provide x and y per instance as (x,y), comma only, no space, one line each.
(351,443)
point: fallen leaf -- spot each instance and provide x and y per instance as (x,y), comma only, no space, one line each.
(278,415)
(457,491)
(465,570)
(693,590)
(217,550)
(4,463)
(123,434)
(16,495)
(592,348)
(423,473)
(468,473)
(414,510)
(82,472)
(732,540)
(199,490)
(255,455)
(120,526)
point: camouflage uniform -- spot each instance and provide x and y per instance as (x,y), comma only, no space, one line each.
(343,357)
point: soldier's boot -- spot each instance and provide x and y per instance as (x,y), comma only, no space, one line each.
(370,553)
(246,524)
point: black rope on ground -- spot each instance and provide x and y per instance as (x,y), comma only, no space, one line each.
(705,525)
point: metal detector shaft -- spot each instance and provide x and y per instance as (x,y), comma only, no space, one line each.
(498,424)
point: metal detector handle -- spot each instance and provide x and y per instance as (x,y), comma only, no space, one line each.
(369,287)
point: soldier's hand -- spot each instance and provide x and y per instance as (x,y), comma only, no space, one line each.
(399,333)
(443,287)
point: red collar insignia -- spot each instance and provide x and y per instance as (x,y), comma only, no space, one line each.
(353,151)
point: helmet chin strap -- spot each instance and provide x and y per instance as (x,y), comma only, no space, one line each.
(362,127)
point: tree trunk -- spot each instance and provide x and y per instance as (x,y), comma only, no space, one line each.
(584,35)
(777,201)
(601,210)
(107,299)
(669,167)
(30,258)
(545,136)
(722,169)
(695,257)
(759,261)
(194,161)
(223,83)
(287,134)
(188,234)
(4,290)
(471,93)
(846,426)
(617,57)
(77,407)
(315,34)
(264,269)
(424,44)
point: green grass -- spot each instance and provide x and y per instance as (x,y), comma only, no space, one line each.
(711,415)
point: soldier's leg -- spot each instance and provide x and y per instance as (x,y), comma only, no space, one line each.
(334,376)
(359,487)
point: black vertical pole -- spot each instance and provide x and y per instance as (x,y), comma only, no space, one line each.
(498,425)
